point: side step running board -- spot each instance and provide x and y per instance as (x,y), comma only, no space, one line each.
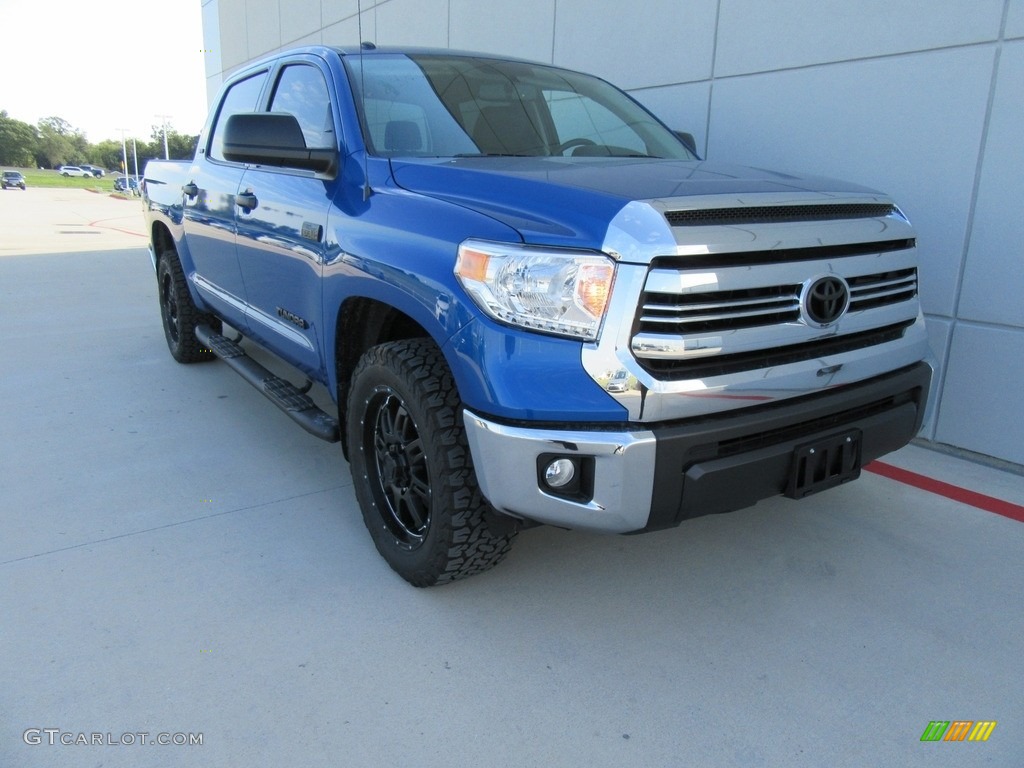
(285,395)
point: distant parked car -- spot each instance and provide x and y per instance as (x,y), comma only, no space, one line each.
(13,179)
(619,382)
(94,170)
(73,170)
(126,184)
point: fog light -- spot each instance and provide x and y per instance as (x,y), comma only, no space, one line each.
(559,473)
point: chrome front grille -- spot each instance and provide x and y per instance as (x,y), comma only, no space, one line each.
(721,365)
(754,298)
(707,321)
(870,291)
(719,311)
(734,310)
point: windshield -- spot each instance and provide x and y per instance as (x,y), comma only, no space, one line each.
(460,106)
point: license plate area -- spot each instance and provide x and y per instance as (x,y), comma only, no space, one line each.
(824,464)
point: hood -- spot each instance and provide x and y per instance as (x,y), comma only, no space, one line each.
(570,201)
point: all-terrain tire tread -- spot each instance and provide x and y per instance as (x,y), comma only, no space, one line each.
(188,349)
(470,545)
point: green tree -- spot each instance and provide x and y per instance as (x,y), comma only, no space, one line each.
(79,147)
(180,146)
(17,141)
(59,142)
(105,154)
(54,141)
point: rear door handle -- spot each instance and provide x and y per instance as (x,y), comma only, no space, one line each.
(246,200)
(190,189)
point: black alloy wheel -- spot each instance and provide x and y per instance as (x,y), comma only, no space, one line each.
(401,478)
(169,308)
(179,314)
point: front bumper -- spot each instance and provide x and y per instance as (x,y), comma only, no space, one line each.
(647,479)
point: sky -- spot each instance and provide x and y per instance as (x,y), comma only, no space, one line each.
(104,65)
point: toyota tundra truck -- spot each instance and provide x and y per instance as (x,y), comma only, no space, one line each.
(464,250)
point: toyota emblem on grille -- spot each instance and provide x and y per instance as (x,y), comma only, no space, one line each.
(825,300)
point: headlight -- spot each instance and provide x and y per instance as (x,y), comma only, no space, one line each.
(553,291)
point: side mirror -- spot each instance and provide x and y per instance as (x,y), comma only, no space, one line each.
(273,138)
(688,141)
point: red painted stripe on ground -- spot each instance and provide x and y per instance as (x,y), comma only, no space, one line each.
(955,492)
(100,225)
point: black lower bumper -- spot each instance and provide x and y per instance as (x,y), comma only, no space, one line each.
(728,462)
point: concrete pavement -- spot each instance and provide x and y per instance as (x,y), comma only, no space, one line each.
(178,558)
(41,220)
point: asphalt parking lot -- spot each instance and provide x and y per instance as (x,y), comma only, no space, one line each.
(177,558)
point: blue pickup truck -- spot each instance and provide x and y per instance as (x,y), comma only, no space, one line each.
(531,302)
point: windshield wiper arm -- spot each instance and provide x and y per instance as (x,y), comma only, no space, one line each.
(493,154)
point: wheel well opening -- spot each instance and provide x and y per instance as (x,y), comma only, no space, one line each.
(161,239)
(362,324)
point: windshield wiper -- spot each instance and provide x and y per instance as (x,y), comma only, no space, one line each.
(494,154)
(513,154)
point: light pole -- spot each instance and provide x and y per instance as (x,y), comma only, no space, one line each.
(163,122)
(124,153)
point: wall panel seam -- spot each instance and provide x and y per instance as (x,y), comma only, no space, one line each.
(711,80)
(554,28)
(981,325)
(902,54)
(876,57)
(940,390)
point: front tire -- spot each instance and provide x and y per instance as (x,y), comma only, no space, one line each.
(412,470)
(179,313)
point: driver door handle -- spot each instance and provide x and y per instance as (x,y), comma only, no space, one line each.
(246,200)
(190,189)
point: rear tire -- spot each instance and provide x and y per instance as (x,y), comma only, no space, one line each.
(412,469)
(179,313)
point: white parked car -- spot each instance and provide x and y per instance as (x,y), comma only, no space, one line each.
(74,170)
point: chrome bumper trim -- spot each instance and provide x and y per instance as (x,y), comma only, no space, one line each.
(505,459)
